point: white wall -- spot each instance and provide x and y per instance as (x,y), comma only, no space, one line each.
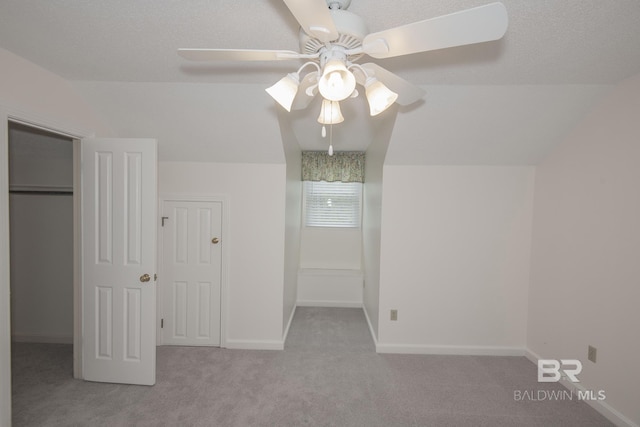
(42,236)
(372,215)
(32,94)
(193,122)
(507,124)
(586,246)
(331,248)
(329,288)
(371,231)
(255,195)
(293,211)
(292,245)
(454,258)
(39,95)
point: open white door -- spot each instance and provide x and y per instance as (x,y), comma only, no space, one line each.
(119,204)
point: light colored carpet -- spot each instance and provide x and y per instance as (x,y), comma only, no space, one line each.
(328,375)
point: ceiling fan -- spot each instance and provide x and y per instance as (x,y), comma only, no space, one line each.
(332,40)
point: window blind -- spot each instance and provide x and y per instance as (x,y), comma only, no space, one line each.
(332,204)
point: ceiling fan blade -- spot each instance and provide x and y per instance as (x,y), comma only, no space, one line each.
(303,99)
(476,25)
(314,18)
(237,54)
(408,93)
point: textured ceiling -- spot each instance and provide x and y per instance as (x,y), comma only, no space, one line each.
(558,57)
(548,41)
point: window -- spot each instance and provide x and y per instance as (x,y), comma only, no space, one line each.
(332,204)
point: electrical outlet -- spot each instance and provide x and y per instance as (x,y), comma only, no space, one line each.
(394,314)
(591,354)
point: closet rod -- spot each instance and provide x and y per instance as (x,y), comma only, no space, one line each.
(50,192)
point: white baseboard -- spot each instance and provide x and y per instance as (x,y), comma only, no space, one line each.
(531,356)
(371,330)
(255,344)
(449,349)
(286,331)
(343,304)
(601,406)
(46,339)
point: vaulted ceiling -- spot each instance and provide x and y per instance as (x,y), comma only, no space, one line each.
(504,102)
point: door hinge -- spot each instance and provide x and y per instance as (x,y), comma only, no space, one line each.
(163,219)
(161,323)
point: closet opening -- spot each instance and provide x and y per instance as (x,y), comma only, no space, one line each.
(42,243)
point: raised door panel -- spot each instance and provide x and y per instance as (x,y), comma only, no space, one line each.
(191,280)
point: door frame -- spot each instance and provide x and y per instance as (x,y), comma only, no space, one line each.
(8,114)
(174,197)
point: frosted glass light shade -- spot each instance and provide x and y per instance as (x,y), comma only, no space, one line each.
(330,113)
(337,83)
(379,96)
(285,90)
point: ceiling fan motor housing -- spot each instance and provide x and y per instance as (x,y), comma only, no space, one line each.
(351,28)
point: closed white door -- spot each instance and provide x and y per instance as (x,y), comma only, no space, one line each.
(119,211)
(191,262)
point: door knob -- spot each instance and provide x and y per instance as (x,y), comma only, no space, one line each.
(145,278)
(215,240)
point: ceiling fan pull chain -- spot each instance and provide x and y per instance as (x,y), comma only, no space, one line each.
(331,139)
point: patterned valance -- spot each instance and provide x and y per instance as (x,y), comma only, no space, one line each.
(346,166)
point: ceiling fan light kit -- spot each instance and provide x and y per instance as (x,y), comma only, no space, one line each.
(285,90)
(379,96)
(332,39)
(337,82)
(330,113)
